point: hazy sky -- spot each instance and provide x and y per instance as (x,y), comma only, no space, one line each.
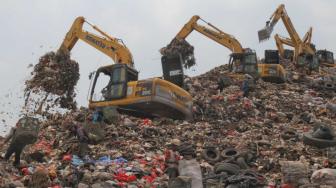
(29,28)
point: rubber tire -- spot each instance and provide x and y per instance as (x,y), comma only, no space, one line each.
(233,186)
(227,153)
(229,168)
(242,163)
(154,143)
(319,143)
(208,158)
(148,130)
(288,134)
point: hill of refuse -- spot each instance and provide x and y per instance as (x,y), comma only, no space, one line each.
(264,131)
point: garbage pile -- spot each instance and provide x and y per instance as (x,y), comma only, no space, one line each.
(56,74)
(233,141)
(180,47)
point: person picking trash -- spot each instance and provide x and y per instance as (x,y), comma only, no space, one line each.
(25,132)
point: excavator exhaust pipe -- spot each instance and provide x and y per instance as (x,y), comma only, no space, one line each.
(265,33)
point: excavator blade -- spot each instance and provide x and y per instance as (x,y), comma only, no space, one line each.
(265,33)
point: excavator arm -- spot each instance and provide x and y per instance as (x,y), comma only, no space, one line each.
(307,37)
(110,46)
(280,42)
(242,60)
(280,13)
(211,32)
(300,46)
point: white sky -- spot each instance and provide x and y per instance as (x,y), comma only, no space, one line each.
(29,28)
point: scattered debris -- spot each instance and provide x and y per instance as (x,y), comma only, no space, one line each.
(56,74)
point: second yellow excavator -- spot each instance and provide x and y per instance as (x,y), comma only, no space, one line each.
(304,51)
(117,85)
(242,60)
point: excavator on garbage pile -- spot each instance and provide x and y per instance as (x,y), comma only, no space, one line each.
(117,85)
(304,50)
(242,60)
(326,58)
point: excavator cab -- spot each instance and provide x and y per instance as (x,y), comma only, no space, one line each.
(113,80)
(245,63)
(326,58)
(308,60)
(272,57)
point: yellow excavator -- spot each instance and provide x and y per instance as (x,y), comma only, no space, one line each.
(324,57)
(304,51)
(242,60)
(117,85)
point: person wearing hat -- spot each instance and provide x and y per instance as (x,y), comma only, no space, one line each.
(13,147)
(171,158)
(25,132)
(81,134)
(247,84)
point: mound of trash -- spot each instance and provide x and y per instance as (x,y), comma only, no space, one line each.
(267,139)
(55,74)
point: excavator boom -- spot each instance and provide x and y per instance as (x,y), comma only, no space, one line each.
(112,47)
(280,13)
(211,32)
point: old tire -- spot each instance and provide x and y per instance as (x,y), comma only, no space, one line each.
(242,163)
(289,134)
(150,132)
(229,153)
(229,168)
(319,143)
(212,155)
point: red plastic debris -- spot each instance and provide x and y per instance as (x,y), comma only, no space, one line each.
(149,179)
(124,177)
(147,122)
(67,157)
(286,186)
(247,103)
(42,146)
(25,171)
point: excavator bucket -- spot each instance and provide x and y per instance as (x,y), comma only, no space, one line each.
(265,33)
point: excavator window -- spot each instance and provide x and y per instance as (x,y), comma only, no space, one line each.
(325,56)
(243,63)
(116,87)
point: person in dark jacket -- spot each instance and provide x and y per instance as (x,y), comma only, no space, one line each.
(14,147)
(245,88)
(248,85)
(82,137)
